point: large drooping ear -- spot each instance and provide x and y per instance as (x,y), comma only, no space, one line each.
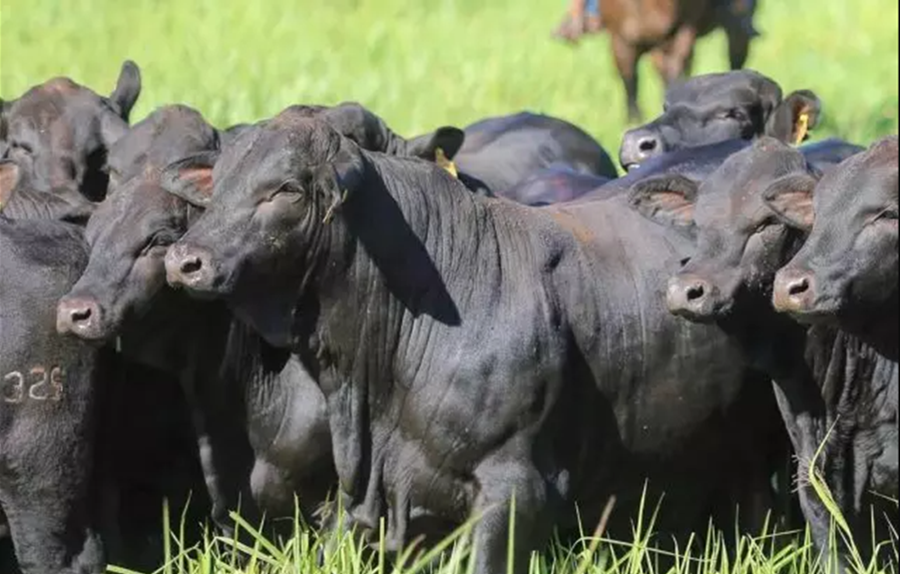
(448,139)
(9,179)
(668,199)
(792,119)
(128,88)
(191,178)
(340,178)
(791,199)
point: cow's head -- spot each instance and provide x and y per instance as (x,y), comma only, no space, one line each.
(60,131)
(131,230)
(717,107)
(276,193)
(848,265)
(741,242)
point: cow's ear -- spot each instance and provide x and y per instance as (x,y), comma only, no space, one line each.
(791,199)
(9,179)
(447,139)
(339,179)
(794,117)
(191,178)
(128,88)
(668,199)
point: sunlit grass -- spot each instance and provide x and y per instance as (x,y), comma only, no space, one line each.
(420,64)
(768,552)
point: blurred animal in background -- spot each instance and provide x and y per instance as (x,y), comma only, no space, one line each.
(666,29)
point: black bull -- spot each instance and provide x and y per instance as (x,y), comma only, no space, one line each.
(470,349)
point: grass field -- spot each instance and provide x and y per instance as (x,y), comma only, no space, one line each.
(421,64)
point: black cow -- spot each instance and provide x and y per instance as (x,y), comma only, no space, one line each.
(48,409)
(694,163)
(470,349)
(717,107)
(847,269)
(823,376)
(59,132)
(502,151)
(259,420)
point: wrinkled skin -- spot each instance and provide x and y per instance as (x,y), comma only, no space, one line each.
(59,132)
(259,420)
(416,355)
(718,107)
(823,376)
(48,488)
(500,152)
(847,270)
(121,292)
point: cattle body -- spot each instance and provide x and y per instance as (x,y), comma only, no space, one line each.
(500,152)
(121,294)
(448,394)
(50,393)
(259,420)
(718,107)
(669,29)
(834,388)
(59,133)
(695,163)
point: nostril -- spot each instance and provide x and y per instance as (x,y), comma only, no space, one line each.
(191,265)
(696,292)
(685,261)
(798,287)
(81,315)
(647,144)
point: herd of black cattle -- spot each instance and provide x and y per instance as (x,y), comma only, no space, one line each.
(313,308)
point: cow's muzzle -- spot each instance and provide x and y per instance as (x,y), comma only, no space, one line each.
(80,316)
(695,299)
(794,291)
(190,267)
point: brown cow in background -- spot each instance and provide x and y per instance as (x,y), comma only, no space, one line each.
(668,30)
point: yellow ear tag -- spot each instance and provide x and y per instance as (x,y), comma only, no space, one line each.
(442,161)
(802,128)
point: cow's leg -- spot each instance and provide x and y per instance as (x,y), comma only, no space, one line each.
(51,521)
(223,446)
(680,55)
(502,478)
(627,57)
(738,48)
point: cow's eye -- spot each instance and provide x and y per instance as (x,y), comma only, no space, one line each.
(21,146)
(735,114)
(160,240)
(889,215)
(289,190)
(765,224)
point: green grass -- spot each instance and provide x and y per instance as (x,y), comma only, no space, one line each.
(419,63)
(769,552)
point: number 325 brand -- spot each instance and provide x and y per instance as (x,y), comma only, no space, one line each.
(37,384)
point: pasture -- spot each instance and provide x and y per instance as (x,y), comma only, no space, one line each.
(420,65)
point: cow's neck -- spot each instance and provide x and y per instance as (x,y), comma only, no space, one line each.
(390,258)
(876,327)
